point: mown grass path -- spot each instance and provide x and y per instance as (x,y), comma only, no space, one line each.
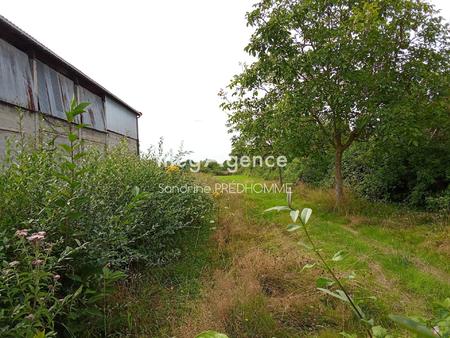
(244,275)
(397,260)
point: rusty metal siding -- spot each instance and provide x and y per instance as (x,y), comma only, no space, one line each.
(119,119)
(95,115)
(55,91)
(16,83)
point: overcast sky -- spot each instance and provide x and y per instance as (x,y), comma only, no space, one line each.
(166,58)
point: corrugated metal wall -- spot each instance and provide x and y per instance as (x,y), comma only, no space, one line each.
(16,82)
(95,116)
(33,85)
(55,91)
(119,119)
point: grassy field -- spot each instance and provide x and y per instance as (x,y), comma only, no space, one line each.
(245,274)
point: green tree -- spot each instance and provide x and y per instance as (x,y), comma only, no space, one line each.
(334,71)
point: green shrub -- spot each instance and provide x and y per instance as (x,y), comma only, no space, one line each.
(440,203)
(315,169)
(102,214)
(417,175)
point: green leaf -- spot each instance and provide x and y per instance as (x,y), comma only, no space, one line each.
(39,334)
(66,147)
(211,334)
(79,155)
(80,108)
(72,137)
(294,215)
(73,103)
(78,292)
(135,190)
(308,266)
(445,304)
(306,214)
(368,322)
(69,116)
(413,326)
(323,282)
(339,295)
(82,125)
(293,227)
(278,208)
(338,256)
(379,331)
(68,165)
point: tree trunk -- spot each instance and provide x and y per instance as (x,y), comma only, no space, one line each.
(338,176)
(280,175)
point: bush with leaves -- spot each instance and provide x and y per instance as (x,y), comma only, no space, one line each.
(102,214)
(394,170)
(30,286)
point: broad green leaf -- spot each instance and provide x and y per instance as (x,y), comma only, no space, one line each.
(294,215)
(80,108)
(306,214)
(293,227)
(413,326)
(211,334)
(278,208)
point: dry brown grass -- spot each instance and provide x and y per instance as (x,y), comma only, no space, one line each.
(271,277)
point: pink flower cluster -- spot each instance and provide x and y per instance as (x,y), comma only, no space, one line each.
(22,233)
(37,262)
(34,238)
(37,237)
